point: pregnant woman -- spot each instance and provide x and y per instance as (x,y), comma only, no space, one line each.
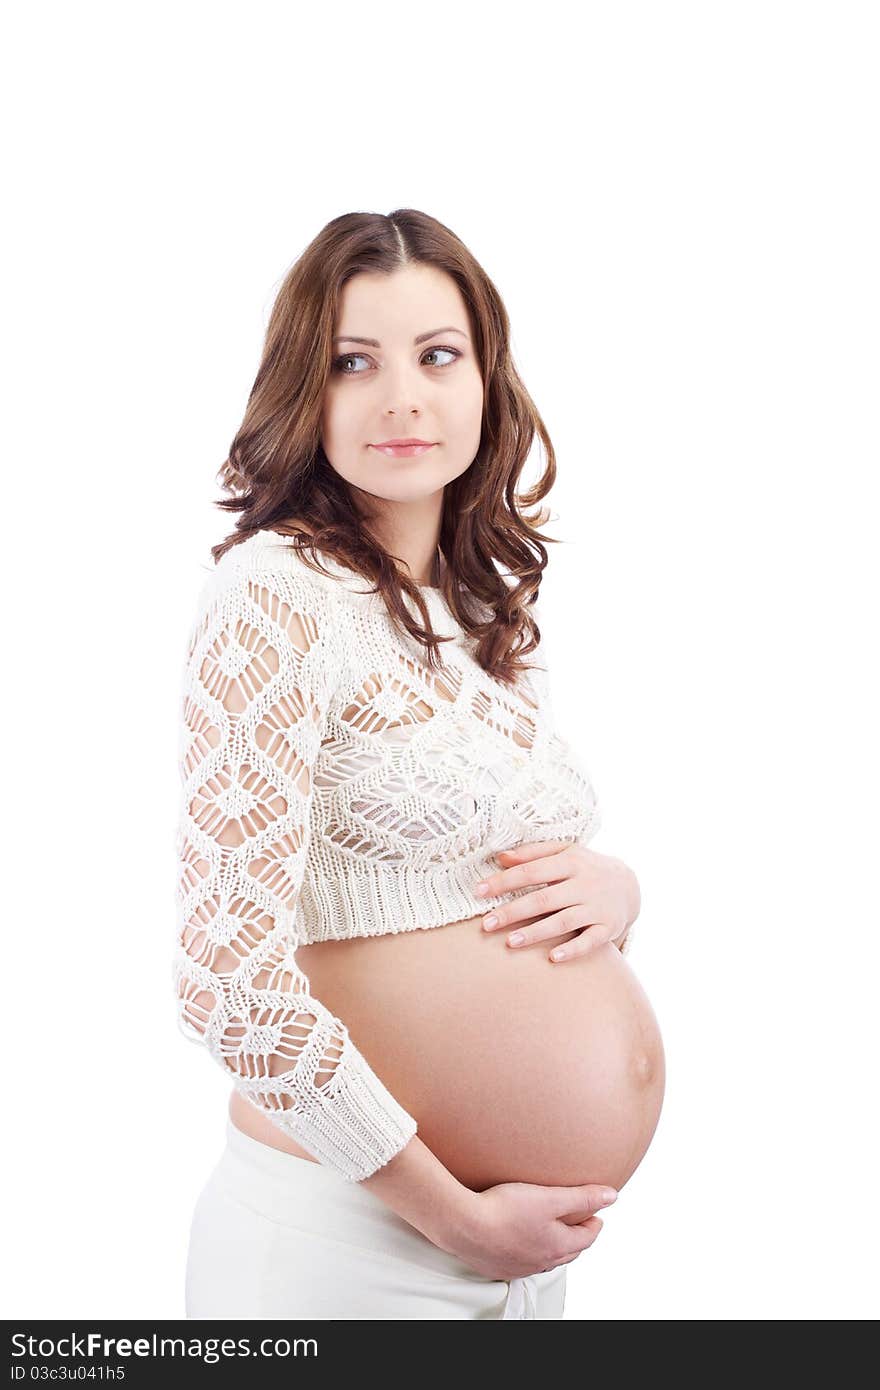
(426,1113)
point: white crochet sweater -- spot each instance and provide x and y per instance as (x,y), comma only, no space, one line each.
(333,787)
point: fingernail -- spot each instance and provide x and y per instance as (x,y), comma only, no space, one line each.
(515,938)
(609,1195)
(490,921)
(481,890)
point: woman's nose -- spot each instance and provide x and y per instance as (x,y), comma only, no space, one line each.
(403,390)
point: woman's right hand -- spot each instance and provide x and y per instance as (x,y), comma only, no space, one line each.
(518,1228)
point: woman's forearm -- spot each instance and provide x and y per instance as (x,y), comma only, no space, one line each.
(416,1185)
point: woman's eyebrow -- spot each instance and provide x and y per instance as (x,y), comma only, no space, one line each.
(422,338)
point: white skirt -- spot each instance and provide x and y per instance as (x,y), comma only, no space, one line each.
(275,1236)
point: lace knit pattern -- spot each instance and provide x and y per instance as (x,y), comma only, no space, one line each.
(333,786)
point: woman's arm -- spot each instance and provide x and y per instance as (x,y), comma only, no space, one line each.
(263,660)
(423,1192)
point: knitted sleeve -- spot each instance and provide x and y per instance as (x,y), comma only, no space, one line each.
(258,674)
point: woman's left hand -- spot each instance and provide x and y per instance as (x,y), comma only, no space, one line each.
(593,895)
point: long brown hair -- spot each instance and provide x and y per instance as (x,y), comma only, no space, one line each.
(279,475)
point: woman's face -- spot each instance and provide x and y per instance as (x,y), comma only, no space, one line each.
(397,388)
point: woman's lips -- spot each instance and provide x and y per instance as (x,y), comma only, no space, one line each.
(401,451)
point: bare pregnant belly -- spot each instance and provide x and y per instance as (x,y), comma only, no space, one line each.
(516,1069)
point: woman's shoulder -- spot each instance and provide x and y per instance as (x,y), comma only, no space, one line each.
(261,581)
(319,580)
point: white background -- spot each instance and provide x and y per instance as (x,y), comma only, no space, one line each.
(679,205)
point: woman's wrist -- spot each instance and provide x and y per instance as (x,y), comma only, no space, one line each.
(416,1185)
(635,900)
(632,901)
(630,894)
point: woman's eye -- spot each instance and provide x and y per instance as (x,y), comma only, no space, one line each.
(453,351)
(340,367)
